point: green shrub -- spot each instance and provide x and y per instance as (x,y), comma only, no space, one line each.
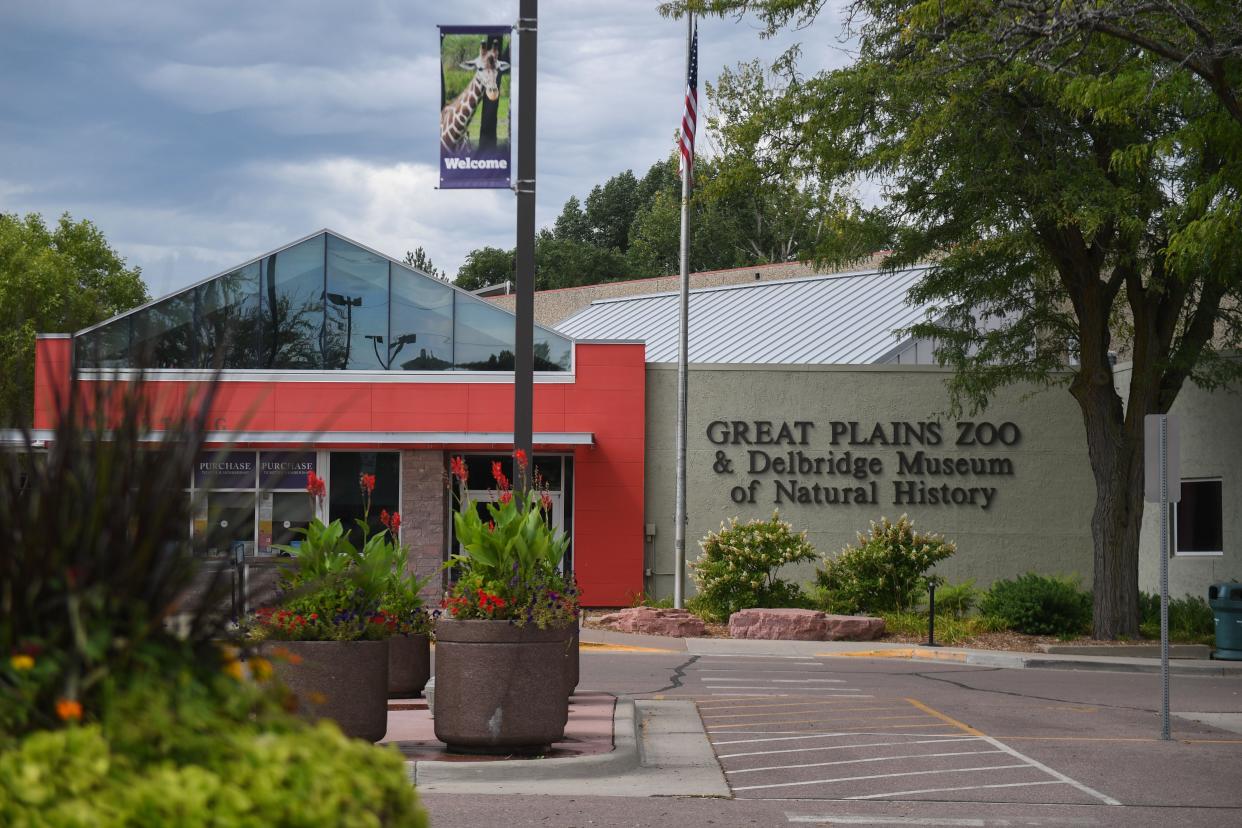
(957,600)
(74,778)
(739,565)
(1040,605)
(1190,619)
(886,572)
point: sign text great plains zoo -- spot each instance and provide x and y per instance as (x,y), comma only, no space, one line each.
(932,463)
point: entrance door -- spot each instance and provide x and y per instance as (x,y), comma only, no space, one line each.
(346,500)
(482,496)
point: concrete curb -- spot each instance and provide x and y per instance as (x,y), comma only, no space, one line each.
(623,756)
(956,655)
(1036,661)
(660,749)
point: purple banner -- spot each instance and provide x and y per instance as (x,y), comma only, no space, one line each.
(475,107)
(285,469)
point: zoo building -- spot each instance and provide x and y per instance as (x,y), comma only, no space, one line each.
(339,360)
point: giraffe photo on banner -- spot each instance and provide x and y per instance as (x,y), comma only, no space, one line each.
(474,106)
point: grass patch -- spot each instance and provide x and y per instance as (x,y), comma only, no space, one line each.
(949,630)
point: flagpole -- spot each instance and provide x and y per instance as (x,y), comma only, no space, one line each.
(683,340)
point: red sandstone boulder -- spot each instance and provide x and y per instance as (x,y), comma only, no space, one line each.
(653,621)
(803,625)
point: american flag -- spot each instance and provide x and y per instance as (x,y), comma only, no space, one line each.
(689,120)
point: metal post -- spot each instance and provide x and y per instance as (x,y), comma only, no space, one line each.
(1164,577)
(683,339)
(524,350)
(931,614)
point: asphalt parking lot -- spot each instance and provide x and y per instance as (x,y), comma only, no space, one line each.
(862,741)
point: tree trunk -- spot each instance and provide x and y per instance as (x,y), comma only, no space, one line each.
(1117,464)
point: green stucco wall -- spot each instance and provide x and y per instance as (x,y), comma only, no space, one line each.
(1038,517)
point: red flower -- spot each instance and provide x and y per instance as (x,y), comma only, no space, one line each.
(384,518)
(520,457)
(395,523)
(546,499)
(367,482)
(315,485)
(506,497)
(458,468)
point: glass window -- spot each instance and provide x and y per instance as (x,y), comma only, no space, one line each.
(483,336)
(227,319)
(1197,520)
(292,301)
(422,323)
(106,346)
(356,311)
(230,523)
(163,334)
(552,351)
(345,498)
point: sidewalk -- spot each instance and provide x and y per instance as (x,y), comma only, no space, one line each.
(880,649)
(659,748)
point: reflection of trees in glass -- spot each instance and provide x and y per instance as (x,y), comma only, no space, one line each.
(291,334)
(339,330)
(227,320)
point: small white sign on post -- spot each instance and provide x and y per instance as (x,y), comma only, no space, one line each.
(1166,464)
(1163,484)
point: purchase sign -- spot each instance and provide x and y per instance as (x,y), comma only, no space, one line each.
(474,107)
(225,470)
(846,462)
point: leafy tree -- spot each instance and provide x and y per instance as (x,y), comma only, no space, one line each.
(53,280)
(567,262)
(572,223)
(485,266)
(1074,206)
(419,260)
(1203,37)
(610,210)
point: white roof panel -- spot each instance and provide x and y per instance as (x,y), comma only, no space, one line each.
(839,319)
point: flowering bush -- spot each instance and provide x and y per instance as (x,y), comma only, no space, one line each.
(739,565)
(887,571)
(336,592)
(510,564)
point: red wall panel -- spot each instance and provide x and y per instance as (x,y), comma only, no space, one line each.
(606,398)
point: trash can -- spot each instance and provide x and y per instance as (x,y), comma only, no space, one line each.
(1226,602)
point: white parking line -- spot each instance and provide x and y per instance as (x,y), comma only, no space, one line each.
(784,695)
(747,657)
(834,734)
(868,759)
(965,822)
(815,709)
(780,681)
(879,776)
(845,747)
(963,788)
(1107,800)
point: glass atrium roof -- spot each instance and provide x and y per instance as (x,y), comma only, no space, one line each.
(323,303)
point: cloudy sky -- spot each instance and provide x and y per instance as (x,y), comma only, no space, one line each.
(197,135)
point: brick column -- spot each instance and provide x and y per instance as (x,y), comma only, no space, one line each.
(424,509)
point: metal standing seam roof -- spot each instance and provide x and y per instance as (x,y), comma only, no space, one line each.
(833,319)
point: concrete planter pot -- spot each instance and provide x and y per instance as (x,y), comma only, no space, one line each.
(345,681)
(409,665)
(500,688)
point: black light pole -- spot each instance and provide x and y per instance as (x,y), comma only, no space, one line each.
(524,352)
